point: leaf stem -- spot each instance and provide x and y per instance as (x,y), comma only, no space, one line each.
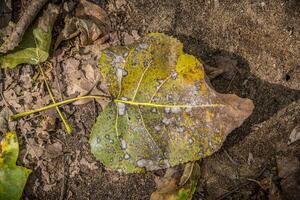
(134,103)
(62,117)
(23,114)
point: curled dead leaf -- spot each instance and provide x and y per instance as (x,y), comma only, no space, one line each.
(295,135)
(170,188)
(91,24)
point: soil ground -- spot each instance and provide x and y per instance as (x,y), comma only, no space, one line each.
(261,38)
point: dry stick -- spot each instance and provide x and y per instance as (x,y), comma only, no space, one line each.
(23,114)
(64,120)
(28,16)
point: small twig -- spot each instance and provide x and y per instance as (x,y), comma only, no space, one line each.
(231,81)
(230,158)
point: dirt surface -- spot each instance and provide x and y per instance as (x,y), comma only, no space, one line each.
(258,45)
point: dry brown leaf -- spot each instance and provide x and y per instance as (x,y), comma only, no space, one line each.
(295,135)
(93,12)
(170,188)
(91,23)
(54,150)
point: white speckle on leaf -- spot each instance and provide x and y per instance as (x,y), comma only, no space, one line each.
(124,72)
(123,144)
(153,110)
(121,108)
(197,86)
(127,156)
(170,98)
(98,140)
(111,141)
(141,163)
(175,110)
(180,129)
(174,75)
(157,128)
(167,110)
(143,46)
(166,121)
(119,59)
(119,74)
(200,154)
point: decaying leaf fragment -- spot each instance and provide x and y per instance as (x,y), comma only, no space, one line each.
(15,36)
(35,45)
(12,177)
(169,188)
(90,23)
(164,112)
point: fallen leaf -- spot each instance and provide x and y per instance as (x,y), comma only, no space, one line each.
(34,149)
(5,124)
(91,166)
(35,45)
(91,23)
(12,177)
(93,12)
(163,113)
(54,150)
(14,33)
(168,187)
(295,135)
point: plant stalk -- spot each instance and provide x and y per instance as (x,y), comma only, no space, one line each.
(23,114)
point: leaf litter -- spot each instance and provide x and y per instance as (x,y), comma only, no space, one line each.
(90,24)
(130,40)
